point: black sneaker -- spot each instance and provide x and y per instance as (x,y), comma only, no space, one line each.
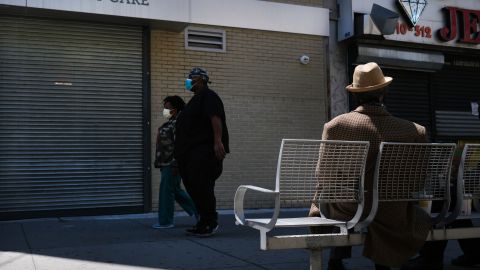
(203,231)
(336,265)
(466,261)
(191,231)
(422,263)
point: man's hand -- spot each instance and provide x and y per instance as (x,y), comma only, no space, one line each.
(217,134)
(174,171)
(219,150)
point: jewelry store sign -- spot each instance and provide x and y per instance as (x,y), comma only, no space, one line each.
(461,25)
(454,23)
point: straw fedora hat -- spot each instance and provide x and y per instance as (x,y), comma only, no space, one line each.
(368,77)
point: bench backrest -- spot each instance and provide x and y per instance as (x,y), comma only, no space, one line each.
(329,171)
(468,185)
(469,171)
(412,172)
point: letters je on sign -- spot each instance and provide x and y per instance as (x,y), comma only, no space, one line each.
(130,2)
(468,25)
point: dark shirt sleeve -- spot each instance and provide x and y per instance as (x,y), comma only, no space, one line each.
(212,106)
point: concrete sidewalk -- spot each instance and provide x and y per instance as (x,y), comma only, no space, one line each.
(128,242)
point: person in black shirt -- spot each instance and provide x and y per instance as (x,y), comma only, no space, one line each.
(201,144)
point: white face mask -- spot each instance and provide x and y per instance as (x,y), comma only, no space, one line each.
(166,113)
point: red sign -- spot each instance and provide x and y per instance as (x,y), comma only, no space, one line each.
(469,19)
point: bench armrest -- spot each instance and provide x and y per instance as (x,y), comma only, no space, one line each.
(324,211)
(362,225)
(458,204)
(238,205)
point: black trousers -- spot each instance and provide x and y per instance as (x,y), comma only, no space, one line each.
(434,250)
(199,169)
(336,253)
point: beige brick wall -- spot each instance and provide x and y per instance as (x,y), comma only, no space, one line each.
(268,95)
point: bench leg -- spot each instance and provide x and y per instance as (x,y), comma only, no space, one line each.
(315,259)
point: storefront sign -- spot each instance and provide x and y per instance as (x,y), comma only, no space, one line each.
(454,23)
(468,19)
(130,2)
(418,30)
(164,10)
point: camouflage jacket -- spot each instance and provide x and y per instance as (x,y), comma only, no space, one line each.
(165,144)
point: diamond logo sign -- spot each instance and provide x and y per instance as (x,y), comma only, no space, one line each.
(413,9)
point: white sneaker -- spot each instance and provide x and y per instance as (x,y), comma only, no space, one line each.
(161,226)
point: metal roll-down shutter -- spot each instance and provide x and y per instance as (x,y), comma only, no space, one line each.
(71,114)
(408,96)
(456,87)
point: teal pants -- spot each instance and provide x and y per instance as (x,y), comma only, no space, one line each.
(170,191)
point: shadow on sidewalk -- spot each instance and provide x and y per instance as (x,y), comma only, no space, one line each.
(129,242)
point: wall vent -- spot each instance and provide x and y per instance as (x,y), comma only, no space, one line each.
(210,40)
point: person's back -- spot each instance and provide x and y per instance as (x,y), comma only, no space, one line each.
(399,228)
(375,124)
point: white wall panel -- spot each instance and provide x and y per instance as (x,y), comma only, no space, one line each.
(250,14)
(263,15)
(13,2)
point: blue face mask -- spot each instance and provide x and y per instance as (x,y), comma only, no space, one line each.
(188,84)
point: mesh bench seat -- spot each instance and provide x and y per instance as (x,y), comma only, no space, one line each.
(298,222)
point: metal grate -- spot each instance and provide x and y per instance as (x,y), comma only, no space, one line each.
(210,40)
(330,171)
(471,171)
(409,171)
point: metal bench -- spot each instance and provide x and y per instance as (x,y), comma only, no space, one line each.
(404,172)
(468,184)
(338,167)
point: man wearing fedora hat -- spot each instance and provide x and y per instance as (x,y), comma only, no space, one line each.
(400,228)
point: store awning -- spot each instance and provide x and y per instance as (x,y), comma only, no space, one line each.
(400,58)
